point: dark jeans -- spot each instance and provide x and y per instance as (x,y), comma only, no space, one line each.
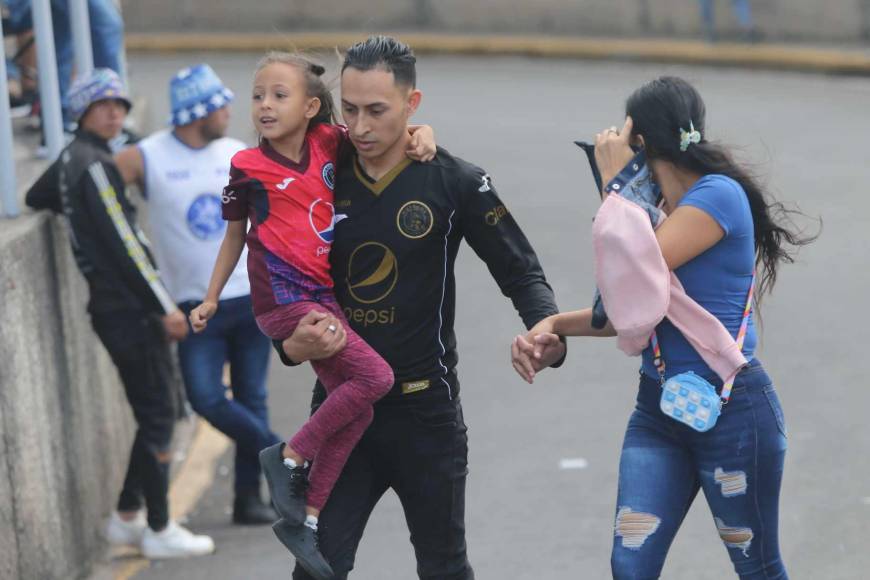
(139,350)
(738,464)
(418,446)
(231,336)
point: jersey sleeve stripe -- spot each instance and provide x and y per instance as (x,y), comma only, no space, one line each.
(131,241)
(441,306)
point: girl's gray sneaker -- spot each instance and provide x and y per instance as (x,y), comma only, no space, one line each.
(286,486)
(302,542)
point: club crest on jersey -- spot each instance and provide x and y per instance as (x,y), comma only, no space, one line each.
(328,174)
(323,223)
(204,217)
(414,219)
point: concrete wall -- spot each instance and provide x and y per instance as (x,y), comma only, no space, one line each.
(65,427)
(831,21)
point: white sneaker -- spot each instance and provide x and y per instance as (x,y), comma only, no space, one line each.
(126,533)
(175,541)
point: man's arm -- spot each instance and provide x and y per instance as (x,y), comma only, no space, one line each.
(497,239)
(132,166)
(45,193)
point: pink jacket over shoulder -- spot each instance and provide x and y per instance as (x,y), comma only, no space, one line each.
(639,291)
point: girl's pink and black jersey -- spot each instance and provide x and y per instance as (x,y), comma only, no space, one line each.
(289,206)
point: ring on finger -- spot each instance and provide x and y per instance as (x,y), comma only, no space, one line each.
(331,328)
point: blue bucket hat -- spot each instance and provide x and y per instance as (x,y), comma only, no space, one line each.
(195,93)
(101,84)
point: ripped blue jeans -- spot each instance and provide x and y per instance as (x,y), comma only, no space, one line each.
(738,464)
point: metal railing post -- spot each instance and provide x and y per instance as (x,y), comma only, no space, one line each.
(80,24)
(7,165)
(49,91)
(125,78)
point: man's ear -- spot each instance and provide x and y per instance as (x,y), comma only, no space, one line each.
(414,98)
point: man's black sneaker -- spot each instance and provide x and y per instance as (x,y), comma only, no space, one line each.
(286,486)
(302,542)
(250,510)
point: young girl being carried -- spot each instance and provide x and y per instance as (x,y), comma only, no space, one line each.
(284,187)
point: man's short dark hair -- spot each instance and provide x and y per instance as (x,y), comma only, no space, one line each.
(387,53)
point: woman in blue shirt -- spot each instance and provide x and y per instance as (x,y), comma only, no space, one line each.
(721,227)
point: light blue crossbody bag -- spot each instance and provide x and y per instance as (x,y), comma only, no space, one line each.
(689,398)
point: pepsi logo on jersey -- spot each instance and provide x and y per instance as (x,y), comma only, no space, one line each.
(372,272)
(322,217)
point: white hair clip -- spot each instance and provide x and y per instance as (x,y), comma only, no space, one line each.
(689,137)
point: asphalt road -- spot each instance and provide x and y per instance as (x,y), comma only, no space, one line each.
(528,518)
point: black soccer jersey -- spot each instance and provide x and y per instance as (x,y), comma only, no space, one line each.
(396,242)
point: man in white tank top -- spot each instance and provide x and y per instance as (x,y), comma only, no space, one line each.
(181,172)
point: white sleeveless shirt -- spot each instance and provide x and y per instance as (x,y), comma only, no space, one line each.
(183,187)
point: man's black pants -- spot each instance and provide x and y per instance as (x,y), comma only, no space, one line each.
(418,446)
(139,350)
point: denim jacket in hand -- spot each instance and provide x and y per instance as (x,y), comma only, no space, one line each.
(635,184)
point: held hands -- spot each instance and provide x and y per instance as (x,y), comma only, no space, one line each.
(175,326)
(422,144)
(317,336)
(613,150)
(200,315)
(535,351)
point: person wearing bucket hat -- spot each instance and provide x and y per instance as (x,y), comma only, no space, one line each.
(131,310)
(102,84)
(195,93)
(180,172)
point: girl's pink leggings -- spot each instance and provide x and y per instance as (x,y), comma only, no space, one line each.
(354,379)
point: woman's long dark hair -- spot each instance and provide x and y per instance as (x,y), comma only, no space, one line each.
(661,110)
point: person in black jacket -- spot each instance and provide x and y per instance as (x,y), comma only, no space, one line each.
(131,311)
(398,228)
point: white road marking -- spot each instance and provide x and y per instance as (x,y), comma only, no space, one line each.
(573,463)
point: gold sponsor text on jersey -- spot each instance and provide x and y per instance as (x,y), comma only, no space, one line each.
(495,215)
(414,386)
(372,273)
(371,316)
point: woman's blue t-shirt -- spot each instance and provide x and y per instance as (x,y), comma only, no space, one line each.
(717,279)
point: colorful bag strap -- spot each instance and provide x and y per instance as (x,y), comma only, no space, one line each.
(659,362)
(741,337)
